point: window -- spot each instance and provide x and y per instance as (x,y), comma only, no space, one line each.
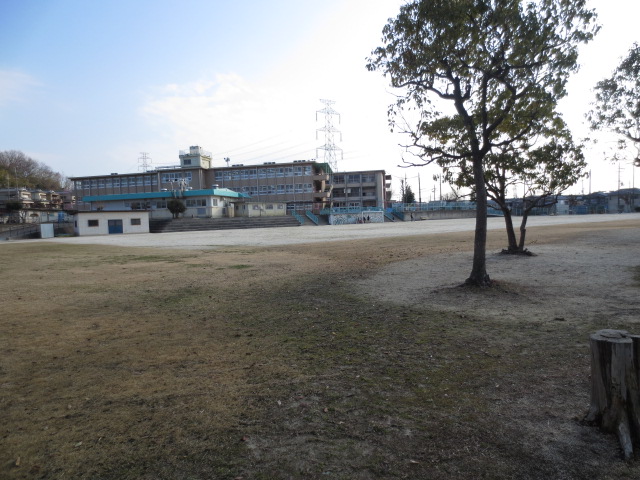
(368,178)
(136,221)
(214,202)
(280,206)
(353,178)
(196,202)
(338,179)
(186,161)
(171,177)
(93,223)
(256,207)
(270,206)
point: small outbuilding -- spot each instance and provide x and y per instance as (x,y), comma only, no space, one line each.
(110,222)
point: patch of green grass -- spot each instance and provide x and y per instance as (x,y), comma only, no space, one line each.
(126,259)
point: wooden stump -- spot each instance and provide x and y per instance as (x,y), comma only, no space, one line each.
(615,398)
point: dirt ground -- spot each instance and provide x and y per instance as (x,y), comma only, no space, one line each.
(353,359)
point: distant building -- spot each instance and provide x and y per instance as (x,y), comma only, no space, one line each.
(624,200)
(34,205)
(301,185)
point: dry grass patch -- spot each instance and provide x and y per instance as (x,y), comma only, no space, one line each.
(271,363)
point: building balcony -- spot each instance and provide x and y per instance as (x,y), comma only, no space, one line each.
(319,177)
(322,195)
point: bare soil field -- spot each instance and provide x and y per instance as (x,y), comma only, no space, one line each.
(358,359)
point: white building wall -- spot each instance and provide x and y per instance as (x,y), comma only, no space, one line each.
(259,209)
(97,223)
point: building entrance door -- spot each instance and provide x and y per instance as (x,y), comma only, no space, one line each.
(115,226)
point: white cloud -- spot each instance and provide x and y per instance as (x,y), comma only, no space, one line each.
(15,85)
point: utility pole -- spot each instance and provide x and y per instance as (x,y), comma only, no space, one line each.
(419,191)
(618,186)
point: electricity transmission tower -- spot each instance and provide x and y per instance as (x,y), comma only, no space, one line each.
(145,161)
(329,147)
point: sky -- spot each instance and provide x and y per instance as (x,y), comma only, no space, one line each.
(88,87)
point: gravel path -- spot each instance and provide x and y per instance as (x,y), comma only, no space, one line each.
(314,234)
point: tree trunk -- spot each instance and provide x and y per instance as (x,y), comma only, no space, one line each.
(523,231)
(615,398)
(511,233)
(479,274)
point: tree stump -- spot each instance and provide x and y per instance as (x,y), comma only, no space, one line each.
(615,398)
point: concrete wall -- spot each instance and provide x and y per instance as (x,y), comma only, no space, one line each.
(350,218)
(439,214)
(260,209)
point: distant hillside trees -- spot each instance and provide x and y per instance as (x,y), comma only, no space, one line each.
(20,170)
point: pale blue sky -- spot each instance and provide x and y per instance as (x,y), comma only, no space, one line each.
(86,86)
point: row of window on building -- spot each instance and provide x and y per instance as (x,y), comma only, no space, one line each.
(253,173)
(96,223)
(221,176)
(354,178)
(134,181)
(282,189)
(189,202)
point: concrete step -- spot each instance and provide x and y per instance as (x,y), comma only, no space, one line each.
(204,224)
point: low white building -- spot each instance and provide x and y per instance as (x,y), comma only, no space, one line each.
(109,222)
(261,209)
(206,203)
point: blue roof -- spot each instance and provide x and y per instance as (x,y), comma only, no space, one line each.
(217,192)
